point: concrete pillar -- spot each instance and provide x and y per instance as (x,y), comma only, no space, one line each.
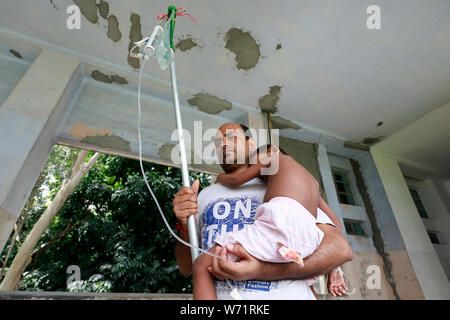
(328,183)
(29,119)
(257,122)
(428,268)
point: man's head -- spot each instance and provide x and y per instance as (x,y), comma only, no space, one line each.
(234,143)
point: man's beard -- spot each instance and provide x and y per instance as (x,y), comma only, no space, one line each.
(229,166)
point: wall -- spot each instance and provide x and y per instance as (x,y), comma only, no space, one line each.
(381,245)
(438,217)
(422,254)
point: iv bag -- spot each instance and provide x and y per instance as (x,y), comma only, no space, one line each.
(162,47)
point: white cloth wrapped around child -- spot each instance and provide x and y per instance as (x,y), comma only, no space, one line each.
(283,220)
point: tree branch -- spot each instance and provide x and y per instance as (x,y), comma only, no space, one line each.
(44,248)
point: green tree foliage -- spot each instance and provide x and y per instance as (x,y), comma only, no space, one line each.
(119,239)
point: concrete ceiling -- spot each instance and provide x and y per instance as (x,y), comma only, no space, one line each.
(432,134)
(314,63)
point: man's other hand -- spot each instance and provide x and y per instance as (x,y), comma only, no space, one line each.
(244,269)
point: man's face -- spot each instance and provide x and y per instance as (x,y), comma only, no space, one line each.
(232,147)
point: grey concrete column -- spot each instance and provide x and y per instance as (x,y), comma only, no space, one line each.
(328,183)
(428,268)
(256,121)
(29,119)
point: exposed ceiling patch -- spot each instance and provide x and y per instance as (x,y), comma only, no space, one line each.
(103,137)
(281,123)
(15,53)
(244,46)
(88,9)
(118,79)
(363,145)
(379,124)
(209,103)
(112,142)
(113,29)
(100,76)
(135,36)
(268,102)
(103,9)
(80,131)
(165,152)
(372,140)
(186,44)
(355,145)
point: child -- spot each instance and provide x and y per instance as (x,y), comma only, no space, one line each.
(284,229)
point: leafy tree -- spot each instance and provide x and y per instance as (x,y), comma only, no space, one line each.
(110,227)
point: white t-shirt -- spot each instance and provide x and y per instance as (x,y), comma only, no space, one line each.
(223,209)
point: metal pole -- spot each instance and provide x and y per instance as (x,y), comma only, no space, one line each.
(193,239)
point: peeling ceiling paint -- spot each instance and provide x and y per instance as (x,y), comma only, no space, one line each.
(118,79)
(209,103)
(186,44)
(80,131)
(135,35)
(15,53)
(356,145)
(328,63)
(112,142)
(364,145)
(103,9)
(281,123)
(244,46)
(88,9)
(268,102)
(113,29)
(165,152)
(100,76)
(371,140)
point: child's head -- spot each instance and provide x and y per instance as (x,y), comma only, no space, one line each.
(266,151)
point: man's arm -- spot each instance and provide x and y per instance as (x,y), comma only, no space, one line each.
(184,205)
(183,255)
(333,251)
(330,213)
(237,179)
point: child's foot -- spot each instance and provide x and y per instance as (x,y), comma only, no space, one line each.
(336,283)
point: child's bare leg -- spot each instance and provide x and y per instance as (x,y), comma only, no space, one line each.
(336,283)
(204,288)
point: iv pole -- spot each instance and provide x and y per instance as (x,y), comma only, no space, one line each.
(146,46)
(192,228)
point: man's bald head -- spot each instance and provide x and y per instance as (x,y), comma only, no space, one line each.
(234,143)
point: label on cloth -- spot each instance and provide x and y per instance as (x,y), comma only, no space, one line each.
(290,254)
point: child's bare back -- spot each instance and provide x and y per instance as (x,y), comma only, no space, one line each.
(290,179)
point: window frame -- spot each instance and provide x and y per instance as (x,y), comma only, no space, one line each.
(353,232)
(352,193)
(423,210)
(436,234)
